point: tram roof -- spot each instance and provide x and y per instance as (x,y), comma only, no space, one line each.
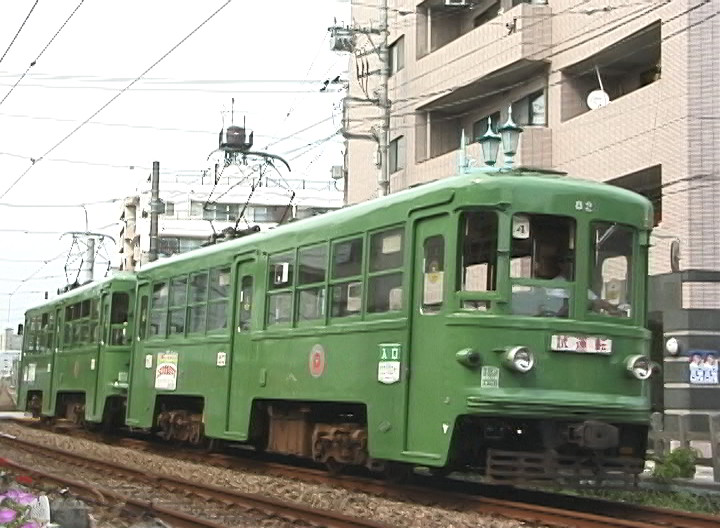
(526,181)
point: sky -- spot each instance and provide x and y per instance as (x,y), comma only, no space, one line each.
(75,127)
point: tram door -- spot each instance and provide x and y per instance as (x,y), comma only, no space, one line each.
(425,425)
(242,352)
(49,400)
(104,337)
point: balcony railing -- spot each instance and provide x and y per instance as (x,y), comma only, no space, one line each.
(523,33)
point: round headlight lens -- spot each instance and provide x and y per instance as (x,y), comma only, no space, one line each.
(520,358)
(640,367)
(672,346)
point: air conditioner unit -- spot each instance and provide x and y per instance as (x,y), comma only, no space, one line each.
(336,172)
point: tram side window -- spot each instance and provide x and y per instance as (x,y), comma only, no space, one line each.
(67,335)
(119,313)
(246,301)
(385,292)
(433,273)
(49,332)
(197,305)
(346,292)
(218,299)
(479,231)
(158,311)
(311,283)
(280,281)
(178,301)
(612,252)
(142,322)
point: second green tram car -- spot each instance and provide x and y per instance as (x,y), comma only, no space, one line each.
(494,321)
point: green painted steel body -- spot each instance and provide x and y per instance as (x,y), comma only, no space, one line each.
(337,359)
(84,357)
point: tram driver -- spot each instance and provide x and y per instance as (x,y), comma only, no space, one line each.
(557,266)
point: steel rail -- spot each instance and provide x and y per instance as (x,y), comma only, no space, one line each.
(615,515)
(268,505)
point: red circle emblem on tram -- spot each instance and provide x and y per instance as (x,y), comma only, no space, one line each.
(317,361)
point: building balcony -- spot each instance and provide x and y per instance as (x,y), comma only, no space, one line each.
(628,134)
(496,52)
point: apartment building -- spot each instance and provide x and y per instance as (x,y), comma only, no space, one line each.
(455,63)
(453,66)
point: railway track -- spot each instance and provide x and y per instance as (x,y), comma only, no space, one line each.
(530,506)
(182,488)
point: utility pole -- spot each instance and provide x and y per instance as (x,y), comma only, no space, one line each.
(88,267)
(384,176)
(155,206)
(344,39)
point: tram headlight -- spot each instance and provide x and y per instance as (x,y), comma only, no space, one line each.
(520,359)
(640,367)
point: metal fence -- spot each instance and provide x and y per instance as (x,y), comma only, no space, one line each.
(685,432)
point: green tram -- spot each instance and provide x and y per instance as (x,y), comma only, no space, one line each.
(493,321)
(76,353)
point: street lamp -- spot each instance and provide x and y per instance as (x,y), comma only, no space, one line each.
(490,143)
(510,134)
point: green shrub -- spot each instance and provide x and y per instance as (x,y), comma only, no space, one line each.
(679,463)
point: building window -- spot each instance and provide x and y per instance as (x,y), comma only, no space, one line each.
(530,110)
(480,126)
(169,209)
(491,12)
(396,154)
(214,211)
(269,213)
(396,55)
(173,245)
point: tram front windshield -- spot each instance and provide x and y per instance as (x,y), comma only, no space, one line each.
(542,248)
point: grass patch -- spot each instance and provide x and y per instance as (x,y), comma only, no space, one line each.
(682,500)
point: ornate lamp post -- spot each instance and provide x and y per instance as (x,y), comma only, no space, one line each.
(510,134)
(490,143)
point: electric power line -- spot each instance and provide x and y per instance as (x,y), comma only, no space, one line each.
(19,30)
(108,103)
(33,63)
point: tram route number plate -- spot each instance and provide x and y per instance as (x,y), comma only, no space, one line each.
(581,344)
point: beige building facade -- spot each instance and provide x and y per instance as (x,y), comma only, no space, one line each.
(453,66)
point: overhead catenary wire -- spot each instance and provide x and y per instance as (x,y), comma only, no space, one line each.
(27,17)
(33,63)
(116,96)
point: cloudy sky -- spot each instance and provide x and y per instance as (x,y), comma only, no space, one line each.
(75,128)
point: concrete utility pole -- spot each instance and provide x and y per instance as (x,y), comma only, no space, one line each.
(88,268)
(344,40)
(384,176)
(155,206)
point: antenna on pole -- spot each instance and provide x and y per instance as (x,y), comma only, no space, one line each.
(232,112)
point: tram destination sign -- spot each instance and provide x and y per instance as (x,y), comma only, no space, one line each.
(581,344)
